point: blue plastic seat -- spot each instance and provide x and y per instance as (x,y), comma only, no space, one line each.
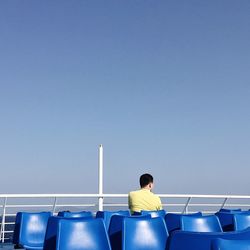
(226,221)
(115,229)
(183,240)
(154,213)
(30,229)
(208,223)
(144,233)
(241,221)
(222,244)
(80,234)
(107,215)
(69,214)
(52,230)
(173,221)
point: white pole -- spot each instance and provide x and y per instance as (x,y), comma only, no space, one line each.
(100,178)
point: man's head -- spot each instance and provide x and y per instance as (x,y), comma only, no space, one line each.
(146,181)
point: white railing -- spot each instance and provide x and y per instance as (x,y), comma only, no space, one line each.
(178,203)
(10,204)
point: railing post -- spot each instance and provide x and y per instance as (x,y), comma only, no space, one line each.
(54,205)
(224,202)
(185,210)
(100,182)
(2,231)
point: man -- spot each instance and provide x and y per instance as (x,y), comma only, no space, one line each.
(144,199)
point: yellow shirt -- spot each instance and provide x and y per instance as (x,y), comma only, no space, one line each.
(143,199)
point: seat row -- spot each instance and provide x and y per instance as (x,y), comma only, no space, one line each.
(150,230)
(69,231)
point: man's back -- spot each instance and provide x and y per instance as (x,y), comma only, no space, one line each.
(143,199)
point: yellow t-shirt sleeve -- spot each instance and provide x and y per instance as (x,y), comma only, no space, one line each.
(160,204)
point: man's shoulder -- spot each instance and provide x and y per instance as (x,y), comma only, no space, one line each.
(154,195)
(134,192)
(131,193)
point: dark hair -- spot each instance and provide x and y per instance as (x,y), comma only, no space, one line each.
(145,179)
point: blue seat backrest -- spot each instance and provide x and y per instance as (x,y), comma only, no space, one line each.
(222,244)
(208,223)
(52,230)
(30,229)
(241,221)
(144,234)
(154,213)
(107,215)
(227,219)
(115,229)
(82,235)
(173,221)
(75,214)
(184,240)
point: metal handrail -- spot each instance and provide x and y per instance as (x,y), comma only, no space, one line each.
(10,203)
(122,196)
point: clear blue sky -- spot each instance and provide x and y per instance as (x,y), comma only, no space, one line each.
(163,85)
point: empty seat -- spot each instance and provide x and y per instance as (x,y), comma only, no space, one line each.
(184,240)
(173,221)
(208,223)
(144,233)
(30,229)
(226,221)
(241,221)
(52,230)
(107,215)
(115,229)
(222,244)
(82,235)
(229,222)
(154,213)
(75,214)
